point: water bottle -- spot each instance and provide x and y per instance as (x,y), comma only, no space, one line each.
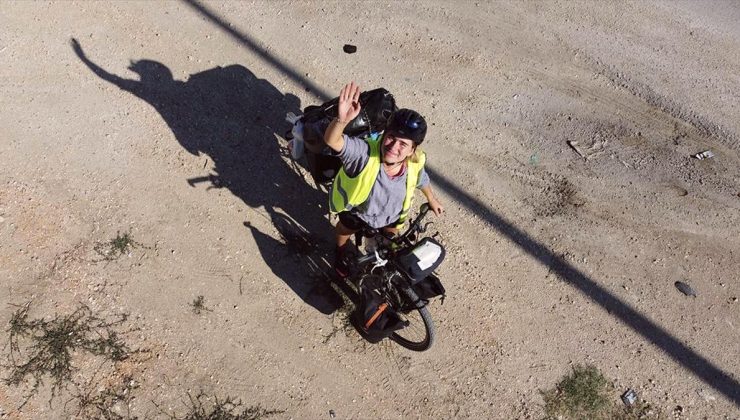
(296,145)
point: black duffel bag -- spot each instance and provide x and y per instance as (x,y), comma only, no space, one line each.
(377,107)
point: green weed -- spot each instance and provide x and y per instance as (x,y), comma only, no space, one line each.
(120,245)
(203,407)
(109,403)
(586,395)
(199,305)
(41,348)
(581,395)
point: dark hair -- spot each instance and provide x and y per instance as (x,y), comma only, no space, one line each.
(408,124)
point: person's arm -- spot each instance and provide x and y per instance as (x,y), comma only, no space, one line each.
(434,204)
(333,136)
(347,110)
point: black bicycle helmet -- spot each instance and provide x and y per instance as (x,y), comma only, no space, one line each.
(408,124)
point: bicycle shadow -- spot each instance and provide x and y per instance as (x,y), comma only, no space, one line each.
(231,116)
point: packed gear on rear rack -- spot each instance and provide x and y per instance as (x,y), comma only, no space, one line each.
(307,135)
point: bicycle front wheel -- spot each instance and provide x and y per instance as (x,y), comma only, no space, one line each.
(419,334)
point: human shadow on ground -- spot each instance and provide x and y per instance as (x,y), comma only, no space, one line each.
(231,116)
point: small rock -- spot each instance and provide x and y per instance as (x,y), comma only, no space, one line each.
(349,49)
(685,288)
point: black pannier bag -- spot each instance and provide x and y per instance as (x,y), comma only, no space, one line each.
(421,260)
(428,288)
(374,318)
(377,107)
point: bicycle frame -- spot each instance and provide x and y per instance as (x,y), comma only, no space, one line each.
(381,271)
(387,248)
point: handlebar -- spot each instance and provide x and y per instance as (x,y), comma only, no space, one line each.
(414,227)
(402,239)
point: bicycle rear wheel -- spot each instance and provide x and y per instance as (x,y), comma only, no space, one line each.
(419,334)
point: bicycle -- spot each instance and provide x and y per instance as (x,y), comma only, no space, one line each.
(387,274)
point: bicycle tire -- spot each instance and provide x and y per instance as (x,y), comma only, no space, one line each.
(426,318)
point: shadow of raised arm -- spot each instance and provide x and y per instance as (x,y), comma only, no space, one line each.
(125,84)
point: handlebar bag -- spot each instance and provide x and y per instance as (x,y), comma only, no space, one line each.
(375,318)
(421,260)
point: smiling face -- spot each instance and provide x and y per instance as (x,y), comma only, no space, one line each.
(396,149)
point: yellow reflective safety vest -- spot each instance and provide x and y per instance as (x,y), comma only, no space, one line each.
(349,192)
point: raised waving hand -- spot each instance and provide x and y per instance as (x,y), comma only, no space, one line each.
(349,102)
(348,108)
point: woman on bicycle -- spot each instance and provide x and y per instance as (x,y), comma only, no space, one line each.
(379,175)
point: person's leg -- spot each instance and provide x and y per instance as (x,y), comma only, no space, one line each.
(343,233)
(391,229)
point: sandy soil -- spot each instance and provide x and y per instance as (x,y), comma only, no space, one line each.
(170,127)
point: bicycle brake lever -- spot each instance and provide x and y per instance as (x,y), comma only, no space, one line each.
(426,226)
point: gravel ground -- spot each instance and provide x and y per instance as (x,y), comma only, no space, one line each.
(167,121)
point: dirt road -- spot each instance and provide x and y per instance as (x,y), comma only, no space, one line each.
(165,122)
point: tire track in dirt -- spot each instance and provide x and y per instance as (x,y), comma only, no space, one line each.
(545,194)
(662,154)
(459,382)
(399,378)
(644,92)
